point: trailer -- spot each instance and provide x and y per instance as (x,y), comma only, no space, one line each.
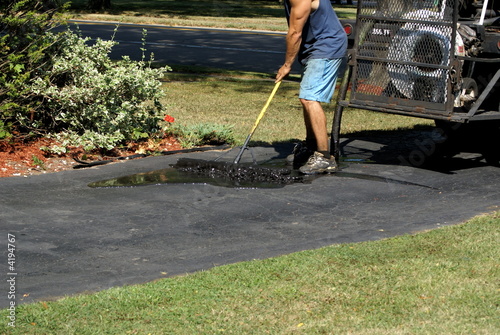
(433,59)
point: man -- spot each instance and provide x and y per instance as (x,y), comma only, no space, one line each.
(316,37)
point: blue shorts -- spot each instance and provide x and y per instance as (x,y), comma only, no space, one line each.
(319,77)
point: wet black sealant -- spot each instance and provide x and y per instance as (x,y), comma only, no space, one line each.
(217,173)
(271,174)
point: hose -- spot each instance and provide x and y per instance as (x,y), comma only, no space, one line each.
(83,164)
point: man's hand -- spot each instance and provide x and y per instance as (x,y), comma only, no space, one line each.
(283,72)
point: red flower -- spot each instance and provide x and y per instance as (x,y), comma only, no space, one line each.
(169,118)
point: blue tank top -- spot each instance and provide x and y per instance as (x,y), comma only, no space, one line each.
(323,35)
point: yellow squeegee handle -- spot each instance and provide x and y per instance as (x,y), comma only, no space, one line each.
(264,109)
(262,112)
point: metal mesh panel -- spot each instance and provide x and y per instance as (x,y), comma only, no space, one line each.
(403,52)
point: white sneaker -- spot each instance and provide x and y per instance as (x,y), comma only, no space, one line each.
(318,163)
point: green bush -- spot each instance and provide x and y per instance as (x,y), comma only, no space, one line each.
(4,130)
(63,86)
(24,50)
(66,87)
(91,101)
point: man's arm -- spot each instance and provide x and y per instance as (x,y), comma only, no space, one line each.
(299,13)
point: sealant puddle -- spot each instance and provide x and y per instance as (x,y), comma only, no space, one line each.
(272,174)
(175,176)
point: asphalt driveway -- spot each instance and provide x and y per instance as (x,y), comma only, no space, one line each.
(71,238)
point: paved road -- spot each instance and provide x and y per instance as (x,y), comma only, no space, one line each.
(71,238)
(223,48)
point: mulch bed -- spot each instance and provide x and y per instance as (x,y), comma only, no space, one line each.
(22,158)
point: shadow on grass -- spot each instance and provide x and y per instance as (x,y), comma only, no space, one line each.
(222,8)
(228,8)
(194,73)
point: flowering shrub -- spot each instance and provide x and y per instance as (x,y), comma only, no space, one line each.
(87,99)
(63,87)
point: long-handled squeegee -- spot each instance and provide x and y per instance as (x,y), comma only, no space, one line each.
(262,112)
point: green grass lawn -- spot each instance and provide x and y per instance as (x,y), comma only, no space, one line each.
(235,99)
(444,281)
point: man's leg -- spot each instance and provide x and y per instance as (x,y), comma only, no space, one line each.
(314,130)
(317,86)
(315,122)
